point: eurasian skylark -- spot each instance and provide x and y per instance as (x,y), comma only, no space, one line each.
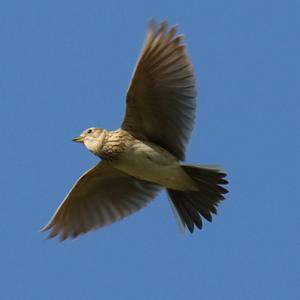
(144,155)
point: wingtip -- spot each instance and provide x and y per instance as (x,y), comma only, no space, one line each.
(163,25)
(45,228)
(151,24)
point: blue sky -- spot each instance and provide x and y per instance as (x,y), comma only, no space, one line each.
(65,66)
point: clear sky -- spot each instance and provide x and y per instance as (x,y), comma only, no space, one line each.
(65,66)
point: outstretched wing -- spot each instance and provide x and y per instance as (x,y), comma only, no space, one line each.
(161,98)
(100,197)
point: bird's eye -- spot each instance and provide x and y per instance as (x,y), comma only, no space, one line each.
(89,131)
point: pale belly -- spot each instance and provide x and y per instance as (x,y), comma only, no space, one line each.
(151,163)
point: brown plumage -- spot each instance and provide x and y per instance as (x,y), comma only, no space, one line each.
(115,142)
(143,156)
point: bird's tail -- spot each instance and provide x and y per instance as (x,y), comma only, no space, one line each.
(190,206)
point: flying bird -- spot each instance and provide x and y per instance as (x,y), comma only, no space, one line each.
(144,155)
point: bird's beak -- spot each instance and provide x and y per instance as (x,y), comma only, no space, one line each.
(78,139)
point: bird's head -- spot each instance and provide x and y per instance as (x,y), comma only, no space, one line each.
(92,138)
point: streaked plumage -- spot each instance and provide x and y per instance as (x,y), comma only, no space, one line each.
(142,157)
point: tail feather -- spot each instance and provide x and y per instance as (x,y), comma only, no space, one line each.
(190,206)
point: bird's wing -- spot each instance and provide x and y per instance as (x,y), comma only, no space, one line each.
(161,98)
(100,197)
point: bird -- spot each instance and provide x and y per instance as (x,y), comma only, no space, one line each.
(146,154)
